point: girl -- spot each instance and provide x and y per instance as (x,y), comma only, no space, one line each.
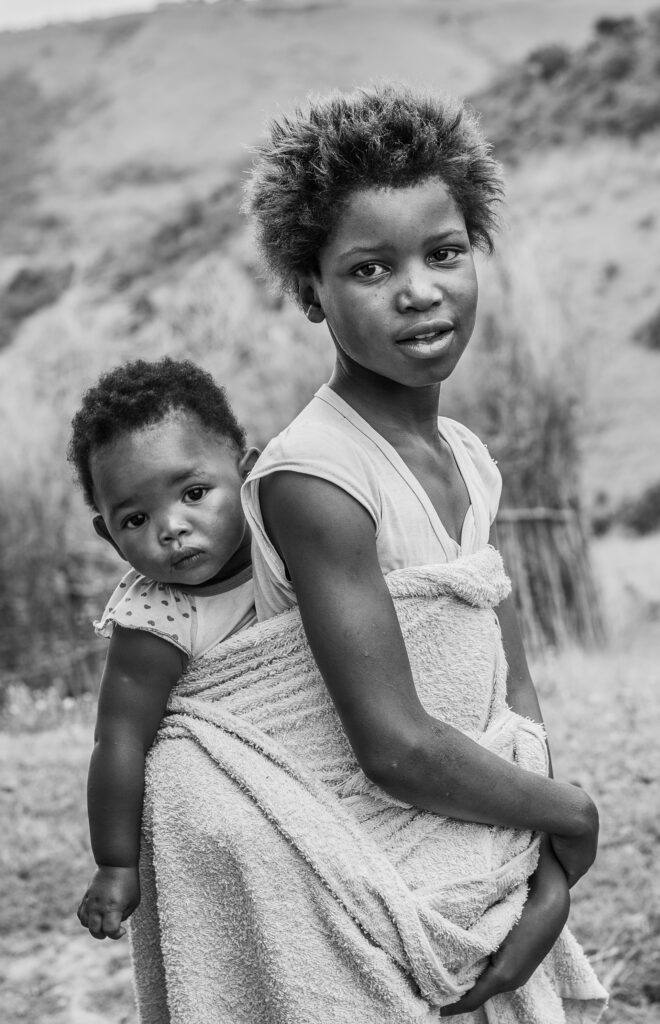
(367,210)
(161,459)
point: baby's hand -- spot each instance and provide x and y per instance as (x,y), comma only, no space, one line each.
(111,897)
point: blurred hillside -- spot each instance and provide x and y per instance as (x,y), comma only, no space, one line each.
(122,144)
(563,96)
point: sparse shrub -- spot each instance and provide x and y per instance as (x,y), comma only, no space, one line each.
(602,514)
(618,64)
(642,515)
(40,605)
(28,290)
(616,26)
(648,334)
(548,61)
(611,86)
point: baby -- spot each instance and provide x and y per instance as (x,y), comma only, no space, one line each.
(161,459)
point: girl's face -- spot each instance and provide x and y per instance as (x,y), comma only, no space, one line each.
(169,498)
(397,283)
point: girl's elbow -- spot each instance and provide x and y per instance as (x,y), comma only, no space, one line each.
(395,765)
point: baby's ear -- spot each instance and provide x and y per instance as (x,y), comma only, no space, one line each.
(98,522)
(246,465)
(309,301)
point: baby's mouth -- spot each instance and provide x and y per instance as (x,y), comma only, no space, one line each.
(185,558)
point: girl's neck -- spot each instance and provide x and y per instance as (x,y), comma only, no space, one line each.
(389,407)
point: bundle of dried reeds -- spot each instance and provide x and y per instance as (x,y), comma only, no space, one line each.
(519,390)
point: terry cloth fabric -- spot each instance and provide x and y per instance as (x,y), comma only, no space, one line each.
(330,440)
(280,886)
(191,618)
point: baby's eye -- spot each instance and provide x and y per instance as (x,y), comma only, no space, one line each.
(135,521)
(445,255)
(370,271)
(194,494)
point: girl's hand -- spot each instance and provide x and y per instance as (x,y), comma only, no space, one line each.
(530,940)
(111,897)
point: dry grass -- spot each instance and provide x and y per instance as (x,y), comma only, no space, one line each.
(603,718)
(598,252)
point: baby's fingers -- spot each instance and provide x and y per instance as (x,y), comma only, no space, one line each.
(83,912)
(112,925)
(105,925)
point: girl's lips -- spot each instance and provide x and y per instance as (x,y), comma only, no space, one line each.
(425,329)
(429,346)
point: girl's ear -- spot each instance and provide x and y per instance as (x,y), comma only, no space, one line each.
(98,522)
(246,465)
(309,301)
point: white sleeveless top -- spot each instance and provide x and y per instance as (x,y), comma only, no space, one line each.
(194,619)
(329,439)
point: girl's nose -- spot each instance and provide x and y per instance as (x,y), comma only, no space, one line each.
(420,290)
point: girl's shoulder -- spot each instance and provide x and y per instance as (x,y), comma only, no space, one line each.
(486,473)
(324,422)
(476,448)
(158,608)
(322,441)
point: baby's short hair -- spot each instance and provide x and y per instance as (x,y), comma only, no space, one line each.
(139,394)
(382,137)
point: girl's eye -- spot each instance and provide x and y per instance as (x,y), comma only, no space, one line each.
(445,255)
(194,494)
(135,521)
(370,271)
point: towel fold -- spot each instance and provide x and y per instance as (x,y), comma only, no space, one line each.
(281,886)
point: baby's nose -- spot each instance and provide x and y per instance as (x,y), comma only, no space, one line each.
(172,527)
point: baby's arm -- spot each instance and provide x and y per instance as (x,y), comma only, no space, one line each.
(327,541)
(140,671)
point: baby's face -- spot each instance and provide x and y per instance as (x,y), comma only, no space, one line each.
(169,495)
(397,283)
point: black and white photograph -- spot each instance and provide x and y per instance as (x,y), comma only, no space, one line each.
(330,511)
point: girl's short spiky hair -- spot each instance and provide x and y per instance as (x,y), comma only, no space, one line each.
(383,137)
(139,394)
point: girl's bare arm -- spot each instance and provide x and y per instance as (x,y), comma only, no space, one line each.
(327,541)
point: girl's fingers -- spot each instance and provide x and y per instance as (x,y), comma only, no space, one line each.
(483,989)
